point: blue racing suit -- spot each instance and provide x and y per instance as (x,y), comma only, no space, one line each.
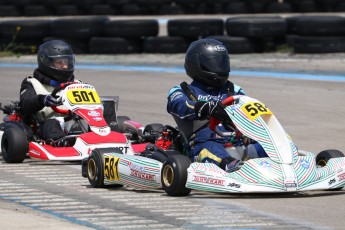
(204,144)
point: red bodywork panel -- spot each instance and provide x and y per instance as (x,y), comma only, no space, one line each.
(138,148)
(36,151)
(93,138)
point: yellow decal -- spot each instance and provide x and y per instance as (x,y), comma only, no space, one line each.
(255,109)
(83,96)
(111,168)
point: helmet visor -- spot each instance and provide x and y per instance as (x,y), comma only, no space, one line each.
(215,63)
(61,62)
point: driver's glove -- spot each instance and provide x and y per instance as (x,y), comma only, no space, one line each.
(49,101)
(211,108)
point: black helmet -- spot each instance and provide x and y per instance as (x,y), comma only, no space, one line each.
(53,53)
(207,61)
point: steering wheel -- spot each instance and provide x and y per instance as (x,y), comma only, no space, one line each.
(55,91)
(213,121)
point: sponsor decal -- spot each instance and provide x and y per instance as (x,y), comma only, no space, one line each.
(202,169)
(265,165)
(93,113)
(76,86)
(123,149)
(331,181)
(219,48)
(291,185)
(35,152)
(234,185)
(102,130)
(136,167)
(208,180)
(208,98)
(175,95)
(305,164)
(98,119)
(141,175)
(341,177)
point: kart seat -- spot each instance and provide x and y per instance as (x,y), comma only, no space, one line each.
(187,128)
(110,105)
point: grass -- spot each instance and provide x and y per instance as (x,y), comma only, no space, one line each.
(12,48)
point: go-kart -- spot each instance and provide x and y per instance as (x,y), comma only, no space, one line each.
(285,169)
(83,119)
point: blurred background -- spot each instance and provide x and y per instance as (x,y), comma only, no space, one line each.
(166,26)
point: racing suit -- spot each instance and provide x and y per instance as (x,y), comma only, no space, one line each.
(32,93)
(204,144)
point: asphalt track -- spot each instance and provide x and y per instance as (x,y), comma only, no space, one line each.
(306,93)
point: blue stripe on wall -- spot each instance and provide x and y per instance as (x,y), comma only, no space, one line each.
(181,70)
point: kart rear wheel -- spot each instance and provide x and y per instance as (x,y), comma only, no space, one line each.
(14,146)
(324,156)
(174,175)
(120,120)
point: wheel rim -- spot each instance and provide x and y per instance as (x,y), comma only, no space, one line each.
(322,162)
(168,175)
(91,169)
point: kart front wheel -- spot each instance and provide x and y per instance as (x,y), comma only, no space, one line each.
(14,145)
(95,171)
(95,167)
(174,175)
(323,157)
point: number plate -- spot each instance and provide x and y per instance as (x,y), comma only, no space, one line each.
(111,172)
(255,109)
(83,96)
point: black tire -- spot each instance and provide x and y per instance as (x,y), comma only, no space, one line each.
(78,28)
(164,44)
(239,45)
(163,155)
(192,28)
(95,167)
(320,26)
(256,26)
(120,120)
(277,7)
(25,30)
(323,157)
(67,10)
(131,28)
(114,45)
(14,145)
(9,11)
(325,44)
(102,9)
(236,8)
(36,10)
(174,175)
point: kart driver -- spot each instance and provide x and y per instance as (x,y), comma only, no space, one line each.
(207,63)
(55,66)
